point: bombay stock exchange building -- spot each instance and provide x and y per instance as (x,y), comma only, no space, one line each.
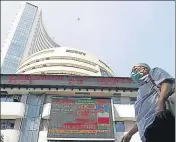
(56,109)
(27,35)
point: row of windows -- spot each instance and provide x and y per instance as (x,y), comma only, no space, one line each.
(28,15)
(58,58)
(10,61)
(29,11)
(42,40)
(117,100)
(63,65)
(34,38)
(40,43)
(7,70)
(18,43)
(15,53)
(37,54)
(10,98)
(49,39)
(61,73)
(9,66)
(16,49)
(21,30)
(7,124)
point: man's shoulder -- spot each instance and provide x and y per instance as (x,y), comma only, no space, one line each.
(156,70)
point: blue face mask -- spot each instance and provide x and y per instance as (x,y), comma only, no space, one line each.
(136,76)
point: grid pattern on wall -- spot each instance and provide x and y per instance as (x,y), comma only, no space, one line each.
(19,40)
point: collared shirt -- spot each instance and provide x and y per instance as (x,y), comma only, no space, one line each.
(147,98)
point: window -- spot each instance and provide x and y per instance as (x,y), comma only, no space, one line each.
(7,124)
(120,127)
(3,98)
(10,98)
(132,100)
(117,100)
(104,73)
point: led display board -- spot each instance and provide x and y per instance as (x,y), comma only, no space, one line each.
(81,118)
(55,80)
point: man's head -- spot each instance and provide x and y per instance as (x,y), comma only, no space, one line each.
(139,70)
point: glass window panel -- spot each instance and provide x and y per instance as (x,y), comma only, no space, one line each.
(132,100)
(36,123)
(9,98)
(31,135)
(39,99)
(120,127)
(30,99)
(26,109)
(3,126)
(7,124)
(3,98)
(38,111)
(10,126)
(28,123)
(24,124)
(117,100)
(17,98)
(31,110)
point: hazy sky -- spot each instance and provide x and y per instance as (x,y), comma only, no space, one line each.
(119,33)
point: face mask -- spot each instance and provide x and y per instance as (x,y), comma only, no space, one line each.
(136,76)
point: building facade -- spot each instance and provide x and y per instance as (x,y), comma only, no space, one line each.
(30,105)
(27,35)
(59,74)
(64,61)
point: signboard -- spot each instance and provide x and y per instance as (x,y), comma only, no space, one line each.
(81,118)
(54,80)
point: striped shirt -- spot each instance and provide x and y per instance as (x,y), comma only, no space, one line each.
(147,97)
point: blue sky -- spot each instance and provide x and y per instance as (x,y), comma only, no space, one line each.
(119,33)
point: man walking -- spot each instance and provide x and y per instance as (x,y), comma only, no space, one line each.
(153,121)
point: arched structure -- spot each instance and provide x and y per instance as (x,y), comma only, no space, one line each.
(64,61)
(41,40)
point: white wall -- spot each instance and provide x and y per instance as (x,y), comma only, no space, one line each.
(10,135)
(12,110)
(42,136)
(124,112)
